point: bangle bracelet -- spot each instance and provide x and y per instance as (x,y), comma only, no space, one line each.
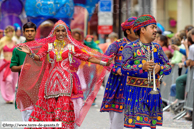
(32,55)
(103,63)
(89,58)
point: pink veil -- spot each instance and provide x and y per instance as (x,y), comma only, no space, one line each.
(31,76)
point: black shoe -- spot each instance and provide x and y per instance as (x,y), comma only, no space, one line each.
(188,118)
(9,102)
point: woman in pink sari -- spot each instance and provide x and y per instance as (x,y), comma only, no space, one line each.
(8,79)
(54,77)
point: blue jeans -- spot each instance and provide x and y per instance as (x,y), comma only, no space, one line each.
(173,90)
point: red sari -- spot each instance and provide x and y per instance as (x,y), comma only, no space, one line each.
(46,86)
(56,105)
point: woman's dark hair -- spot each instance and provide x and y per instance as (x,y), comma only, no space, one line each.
(159,31)
(29,25)
(165,40)
(192,32)
(190,40)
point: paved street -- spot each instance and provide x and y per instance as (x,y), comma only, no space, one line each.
(94,119)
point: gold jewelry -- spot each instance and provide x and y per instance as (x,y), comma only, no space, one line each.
(59,44)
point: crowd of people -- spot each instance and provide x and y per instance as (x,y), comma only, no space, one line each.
(60,75)
(178,48)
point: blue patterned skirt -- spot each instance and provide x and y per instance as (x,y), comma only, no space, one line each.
(141,108)
(113,96)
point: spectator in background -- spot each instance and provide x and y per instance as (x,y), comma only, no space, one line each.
(156,40)
(163,41)
(182,61)
(77,35)
(169,35)
(173,86)
(191,48)
(159,32)
(89,41)
(186,43)
(182,34)
(96,38)
(190,41)
(17,37)
(177,56)
(168,54)
(181,49)
(8,79)
(180,89)
(113,37)
(188,28)
(181,80)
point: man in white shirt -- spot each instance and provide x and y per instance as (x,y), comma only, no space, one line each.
(18,38)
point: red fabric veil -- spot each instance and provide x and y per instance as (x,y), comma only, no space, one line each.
(31,78)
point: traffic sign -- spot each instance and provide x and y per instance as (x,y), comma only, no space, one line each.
(105,29)
(105,18)
(105,6)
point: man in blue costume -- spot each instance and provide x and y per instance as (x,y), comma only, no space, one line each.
(113,97)
(142,108)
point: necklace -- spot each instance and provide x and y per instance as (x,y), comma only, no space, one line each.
(59,44)
(147,53)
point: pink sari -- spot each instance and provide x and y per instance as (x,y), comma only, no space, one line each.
(8,81)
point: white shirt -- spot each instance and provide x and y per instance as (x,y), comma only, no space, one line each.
(22,39)
(191,54)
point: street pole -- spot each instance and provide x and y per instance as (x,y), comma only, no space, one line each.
(120,4)
(127,2)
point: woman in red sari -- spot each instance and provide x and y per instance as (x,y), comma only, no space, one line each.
(57,83)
